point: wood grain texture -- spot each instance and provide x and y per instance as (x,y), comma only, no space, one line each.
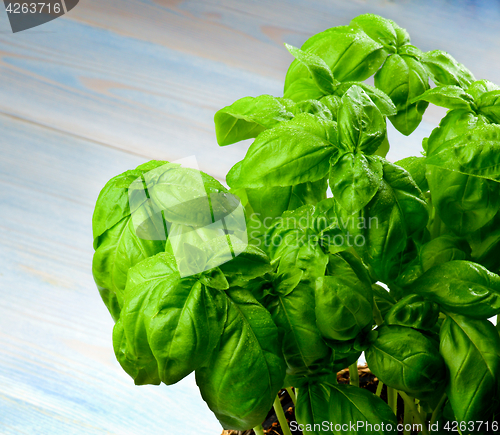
(113,84)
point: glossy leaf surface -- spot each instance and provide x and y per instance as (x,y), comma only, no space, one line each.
(470,349)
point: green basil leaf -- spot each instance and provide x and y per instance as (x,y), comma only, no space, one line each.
(292,153)
(360,123)
(188,196)
(379,29)
(344,301)
(304,350)
(475,152)
(489,105)
(485,244)
(464,202)
(379,98)
(461,287)
(141,367)
(247,117)
(360,412)
(403,78)
(407,267)
(402,36)
(118,242)
(267,204)
(479,87)
(302,88)
(410,50)
(405,359)
(214,278)
(443,249)
(416,167)
(178,322)
(319,70)
(332,102)
(470,349)
(294,241)
(195,249)
(397,211)
(463,175)
(287,281)
(451,97)
(247,265)
(120,248)
(316,108)
(112,205)
(413,311)
(354,180)
(379,232)
(312,409)
(454,124)
(342,360)
(241,380)
(349,52)
(309,193)
(305,253)
(383,299)
(445,70)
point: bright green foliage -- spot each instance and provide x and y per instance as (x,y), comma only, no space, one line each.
(471,350)
(344,300)
(351,404)
(406,359)
(461,287)
(313,405)
(241,379)
(248,117)
(415,312)
(176,322)
(403,78)
(116,242)
(337,249)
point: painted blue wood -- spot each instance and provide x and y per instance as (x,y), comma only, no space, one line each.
(58,374)
(113,84)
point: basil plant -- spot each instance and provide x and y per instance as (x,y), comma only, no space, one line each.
(322,248)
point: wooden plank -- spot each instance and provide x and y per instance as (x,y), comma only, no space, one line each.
(147,77)
(58,373)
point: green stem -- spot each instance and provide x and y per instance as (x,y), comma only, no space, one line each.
(435,414)
(379,388)
(498,322)
(258,430)
(281,416)
(292,395)
(411,405)
(407,419)
(354,374)
(436,226)
(392,399)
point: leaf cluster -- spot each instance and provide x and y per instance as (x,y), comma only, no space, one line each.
(343,250)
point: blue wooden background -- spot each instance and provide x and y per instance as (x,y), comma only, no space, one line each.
(110,85)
